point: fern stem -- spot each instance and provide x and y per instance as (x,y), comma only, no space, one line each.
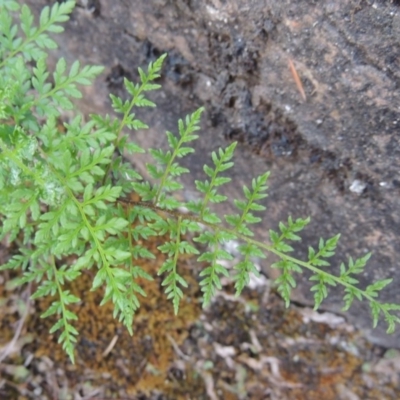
(68,344)
(257,243)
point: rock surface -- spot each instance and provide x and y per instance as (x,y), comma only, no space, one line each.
(333,154)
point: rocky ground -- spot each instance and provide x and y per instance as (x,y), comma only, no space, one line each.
(332,145)
(239,348)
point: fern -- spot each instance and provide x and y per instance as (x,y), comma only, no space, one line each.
(71,194)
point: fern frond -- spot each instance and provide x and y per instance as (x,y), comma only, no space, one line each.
(36,38)
(71,195)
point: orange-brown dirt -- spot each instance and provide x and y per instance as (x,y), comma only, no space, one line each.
(239,348)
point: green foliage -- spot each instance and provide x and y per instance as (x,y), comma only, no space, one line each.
(66,197)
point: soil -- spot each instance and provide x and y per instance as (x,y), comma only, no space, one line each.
(333,152)
(250,347)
